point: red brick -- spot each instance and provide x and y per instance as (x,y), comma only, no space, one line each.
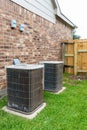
(41,39)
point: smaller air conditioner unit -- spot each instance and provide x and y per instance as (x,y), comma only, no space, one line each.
(25,87)
(53,71)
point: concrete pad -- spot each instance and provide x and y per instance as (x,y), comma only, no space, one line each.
(30,116)
(63,88)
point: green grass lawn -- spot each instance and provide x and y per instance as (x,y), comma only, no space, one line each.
(66,111)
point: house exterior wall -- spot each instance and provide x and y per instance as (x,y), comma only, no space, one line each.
(43,8)
(41,39)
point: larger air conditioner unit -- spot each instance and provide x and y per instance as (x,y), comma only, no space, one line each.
(53,71)
(25,87)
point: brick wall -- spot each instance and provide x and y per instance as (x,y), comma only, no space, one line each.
(41,39)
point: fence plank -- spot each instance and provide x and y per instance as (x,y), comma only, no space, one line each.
(75,58)
(82,51)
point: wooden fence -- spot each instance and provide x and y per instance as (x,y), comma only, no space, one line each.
(75,56)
